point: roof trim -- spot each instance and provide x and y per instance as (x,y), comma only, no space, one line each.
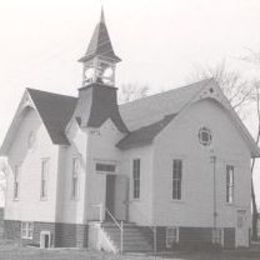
(26,102)
(218,96)
(65,140)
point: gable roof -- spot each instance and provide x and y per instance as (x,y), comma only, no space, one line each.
(149,110)
(144,135)
(145,118)
(153,108)
(55,111)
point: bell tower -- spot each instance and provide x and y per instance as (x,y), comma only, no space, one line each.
(99,61)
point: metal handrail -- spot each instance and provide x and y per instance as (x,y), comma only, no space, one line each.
(152,228)
(114,219)
(121,228)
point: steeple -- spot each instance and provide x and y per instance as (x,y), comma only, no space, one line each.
(100,60)
(102,17)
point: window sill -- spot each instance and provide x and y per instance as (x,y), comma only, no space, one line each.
(178,201)
(27,238)
(230,204)
(75,199)
(135,200)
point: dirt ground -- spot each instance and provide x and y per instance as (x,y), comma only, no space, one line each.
(11,252)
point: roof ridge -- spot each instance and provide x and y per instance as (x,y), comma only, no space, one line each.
(164,118)
(204,81)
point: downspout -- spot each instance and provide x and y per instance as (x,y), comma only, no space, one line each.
(215,214)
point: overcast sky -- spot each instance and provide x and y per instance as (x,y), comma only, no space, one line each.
(161,42)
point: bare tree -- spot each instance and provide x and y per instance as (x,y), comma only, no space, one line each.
(240,92)
(254,205)
(253,58)
(130,92)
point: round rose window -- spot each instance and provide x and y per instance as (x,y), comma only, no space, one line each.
(205,136)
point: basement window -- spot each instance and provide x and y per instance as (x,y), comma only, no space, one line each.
(172,236)
(217,236)
(27,230)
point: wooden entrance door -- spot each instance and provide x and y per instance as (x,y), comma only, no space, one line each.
(110,194)
(121,197)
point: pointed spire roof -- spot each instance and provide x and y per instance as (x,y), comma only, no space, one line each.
(102,17)
(100,44)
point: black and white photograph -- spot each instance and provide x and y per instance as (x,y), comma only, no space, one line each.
(129,130)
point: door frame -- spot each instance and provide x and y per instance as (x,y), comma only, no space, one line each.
(113,177)
(43,235)
(242,228)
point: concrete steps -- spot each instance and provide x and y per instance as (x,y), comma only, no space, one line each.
(134,240)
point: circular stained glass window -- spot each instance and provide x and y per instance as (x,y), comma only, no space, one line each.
(205,136)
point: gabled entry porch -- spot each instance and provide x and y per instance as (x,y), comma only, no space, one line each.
(109,192)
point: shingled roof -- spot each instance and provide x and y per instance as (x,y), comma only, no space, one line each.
(144,135)
(55,111)
(144,118)
(96,104)
(151,109)
(100,43)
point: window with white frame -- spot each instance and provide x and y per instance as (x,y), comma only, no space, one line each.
(172,236)
(75,178)
(230,183)
(136,178)
(16,181)
(44,176)
(27,230)
(177,179)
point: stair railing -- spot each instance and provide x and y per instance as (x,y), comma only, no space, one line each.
(120,225)
(153,228)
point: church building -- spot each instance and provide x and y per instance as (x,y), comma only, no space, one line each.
(166,170)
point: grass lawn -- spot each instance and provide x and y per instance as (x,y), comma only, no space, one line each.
(11,252)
